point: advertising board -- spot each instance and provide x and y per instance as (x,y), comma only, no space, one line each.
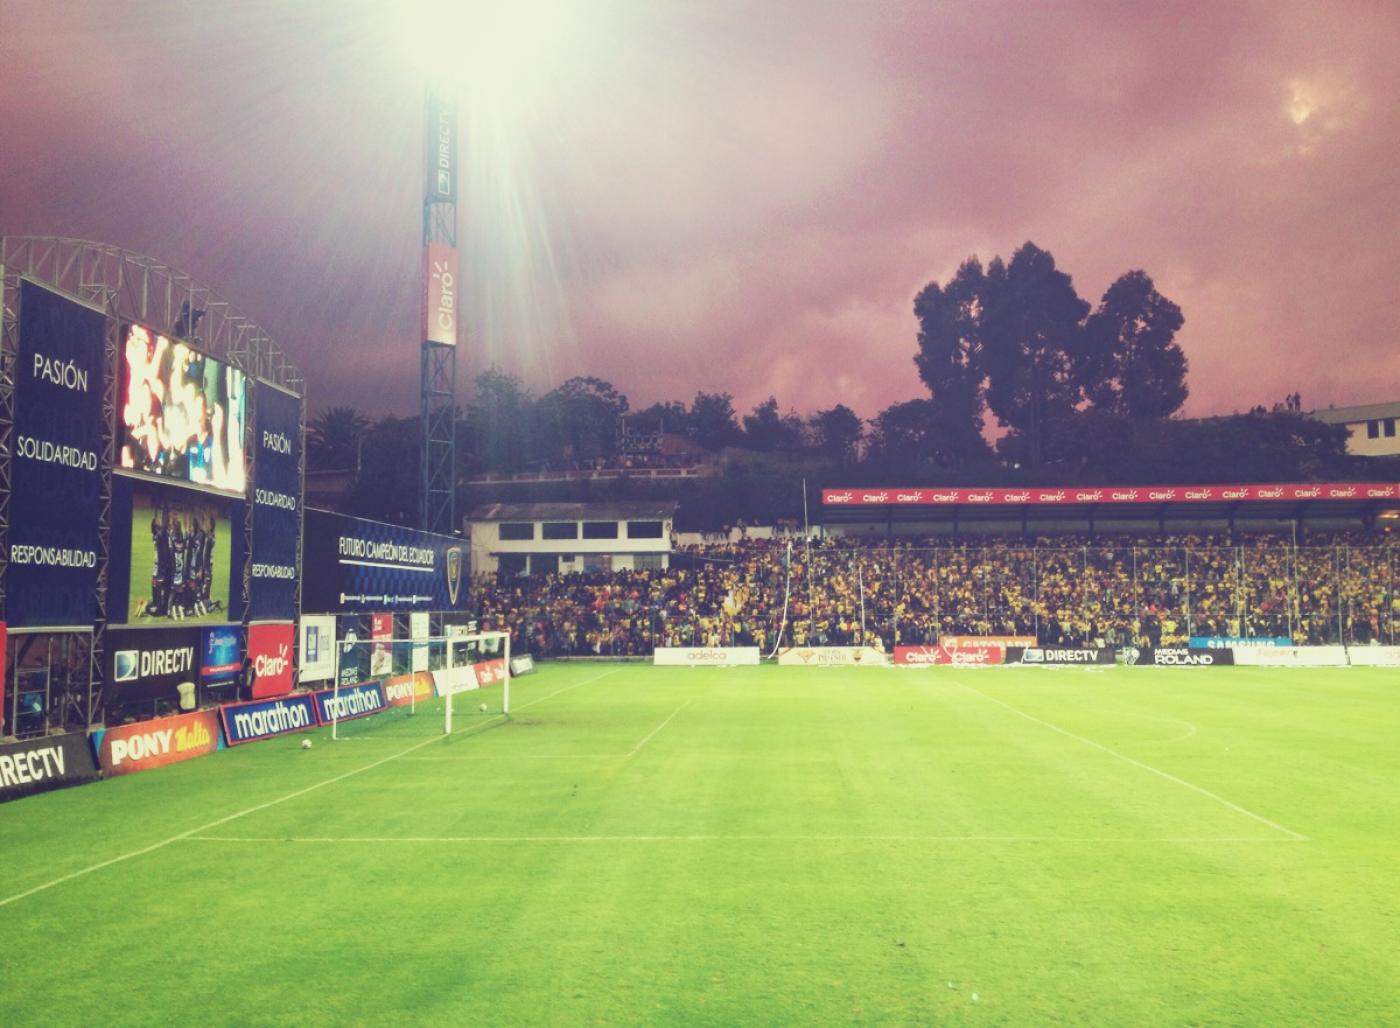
(317,649)
(349,702)
(351,564)
(37,765)
(704,656)
(941,656)
(1001,642)
(1360,656)
(489,672)
(420,627)
(270,650)
(56,461)
(441,294)
(147,744)
(402,690)
(181,414)
(263,719)
(220,655)
(276,502)
(1174,656)
(522,665)
(1235,642)
(381,654)
(904,496)
(1293,656)
(152,663)
(1061,656)
(831,656)
(173,551)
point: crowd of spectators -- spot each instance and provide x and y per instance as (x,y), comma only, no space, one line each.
(1064,590)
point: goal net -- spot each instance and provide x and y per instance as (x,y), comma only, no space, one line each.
(461,672)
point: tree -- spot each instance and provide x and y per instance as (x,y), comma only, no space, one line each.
(712,423)
(333,439)
(916,434)
(503,422)
(671,415)
(766,429)
(950,359)
(1131,364)
(1032,337)
(580,418)
(836,433)
(387,483)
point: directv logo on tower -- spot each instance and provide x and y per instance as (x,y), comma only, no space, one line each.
(130,665)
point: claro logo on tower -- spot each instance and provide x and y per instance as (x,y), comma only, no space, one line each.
(270,650)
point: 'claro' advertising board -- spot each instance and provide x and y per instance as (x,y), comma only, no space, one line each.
(354,565)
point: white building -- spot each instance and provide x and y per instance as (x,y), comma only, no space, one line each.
(1371,428)
(534,538)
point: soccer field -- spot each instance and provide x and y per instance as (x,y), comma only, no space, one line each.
(750,846)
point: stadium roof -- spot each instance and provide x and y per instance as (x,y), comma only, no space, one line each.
(620,510)
(1364,412)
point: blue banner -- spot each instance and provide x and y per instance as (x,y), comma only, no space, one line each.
(349,702)
(1233,642)
(276,504)
(56,468)
(355,565)
(262,719)
(220,655)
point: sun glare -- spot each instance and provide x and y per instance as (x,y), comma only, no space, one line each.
(505,56)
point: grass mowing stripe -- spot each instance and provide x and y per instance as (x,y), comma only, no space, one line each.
(474,839)
(212,824)
(81,872)
(635,749)
(1296,836)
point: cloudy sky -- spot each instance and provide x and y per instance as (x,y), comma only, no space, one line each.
(737,197)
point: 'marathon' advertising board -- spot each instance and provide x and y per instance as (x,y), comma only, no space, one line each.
(350,564)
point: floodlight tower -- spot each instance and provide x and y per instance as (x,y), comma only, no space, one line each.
(441,305)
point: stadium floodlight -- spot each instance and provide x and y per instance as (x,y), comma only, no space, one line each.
(504,56)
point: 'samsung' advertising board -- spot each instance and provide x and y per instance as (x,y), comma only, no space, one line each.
(276,504)
(56,467)
(357,565)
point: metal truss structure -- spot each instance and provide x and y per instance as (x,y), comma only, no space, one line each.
(438,384)
(128,286)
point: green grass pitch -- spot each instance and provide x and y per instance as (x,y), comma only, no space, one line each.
(751,846)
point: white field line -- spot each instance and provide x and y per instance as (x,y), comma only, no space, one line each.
(1296,836)
(376,840)
(635,749)
(513,756)
(6,901)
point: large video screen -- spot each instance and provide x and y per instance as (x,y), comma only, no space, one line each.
(181,414)
(181,545)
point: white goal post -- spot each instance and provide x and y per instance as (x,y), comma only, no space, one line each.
(464,650)
(372,675)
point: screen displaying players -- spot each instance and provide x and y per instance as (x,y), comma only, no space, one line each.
(180,550)
(181,414)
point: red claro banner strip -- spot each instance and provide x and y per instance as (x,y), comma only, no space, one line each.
(1111,494)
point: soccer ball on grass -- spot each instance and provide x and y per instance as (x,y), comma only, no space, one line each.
(306,744)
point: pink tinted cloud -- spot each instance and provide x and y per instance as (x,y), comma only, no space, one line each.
(746,198)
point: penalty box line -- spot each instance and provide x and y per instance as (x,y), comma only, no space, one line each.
(63,879)
(1290,833)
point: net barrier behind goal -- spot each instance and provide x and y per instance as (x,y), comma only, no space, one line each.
(414,687)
